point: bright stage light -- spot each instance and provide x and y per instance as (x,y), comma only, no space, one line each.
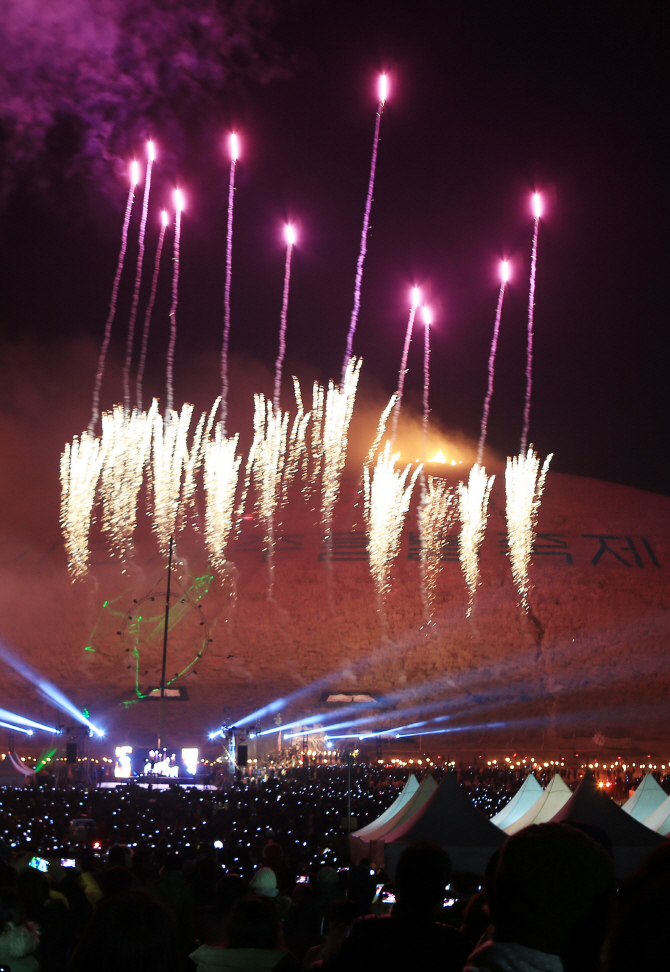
(151,151)
(22,721)
(537,205)
(134,172)
(383,88)
(290,235)
(234,147)
(178,200)
(8,725)
(504,271)
(416,296)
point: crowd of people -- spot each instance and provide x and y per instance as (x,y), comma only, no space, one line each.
(256,876)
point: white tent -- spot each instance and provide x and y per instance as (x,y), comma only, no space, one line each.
(550,801)
(659,820)
(522,801)
(648,797)
(411,786)
(372,845)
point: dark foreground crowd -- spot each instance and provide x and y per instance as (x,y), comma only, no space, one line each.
(168,889)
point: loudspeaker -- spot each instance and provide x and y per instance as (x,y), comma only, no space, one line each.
(242,755)
(71,753)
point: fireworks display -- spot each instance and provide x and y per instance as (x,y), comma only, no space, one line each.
(169,398)
(403,362)
(80,466)
(337,411)
(504,277)
(266,464)
(537,212)
(95,411)
(437,511)
(149,310)
(138,278)
(290,242)
(169,457)
(221,474)
(524,485)
(388,492)
(383,94)
(234,152)
(473,504)
(126,447)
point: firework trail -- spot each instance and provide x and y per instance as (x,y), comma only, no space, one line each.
(316,439)
(290,241)
(387,498)
(195,458)
(234,151)
(381,428)
(149,310)
(426,376)
(179,205)
(504,277)
(138,279)
(383,90)
(95,411)
(403,362)
(473,502)
(170,454)
(80,466)
(438,509)
(537,211)
(126,446)
(221,474)
(338,409)
(524,484)
(266,461)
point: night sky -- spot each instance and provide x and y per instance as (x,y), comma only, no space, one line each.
(489,101)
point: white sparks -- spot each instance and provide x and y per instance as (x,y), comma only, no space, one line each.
(339,407)
(170,454)
(221,474)
(381,428)
(80,466)
(266,463)
(438,509)
(126,442)
(473,501)
(524,485)
(297,457)
(387,498)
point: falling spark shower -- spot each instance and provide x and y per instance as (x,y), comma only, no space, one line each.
(524,485)
(473,503)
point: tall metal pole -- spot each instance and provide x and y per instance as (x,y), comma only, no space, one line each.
(349,793)
(161,721)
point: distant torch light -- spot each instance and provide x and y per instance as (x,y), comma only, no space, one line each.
(537,205)
(416,297)
(427,316)
(290,234)
(234,147)
(151,151)
(383,88)
(178,200)
(504,271)
(134,172)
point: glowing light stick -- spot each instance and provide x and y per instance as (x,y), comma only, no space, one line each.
(234,153)
(504,277)
(427,320)
(383,91)
(95,411)
(403,361)
(537,212)
(290,235)
(149,311)
(138,278)
(179,205)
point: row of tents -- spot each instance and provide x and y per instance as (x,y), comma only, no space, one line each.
(445,815)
